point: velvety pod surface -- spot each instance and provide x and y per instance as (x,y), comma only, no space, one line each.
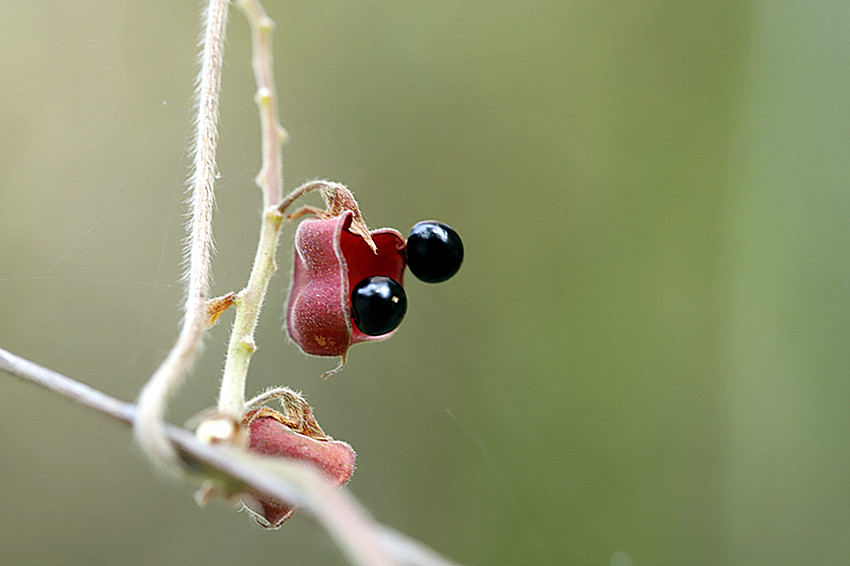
(330,260)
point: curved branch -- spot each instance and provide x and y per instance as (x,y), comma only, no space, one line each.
(362,539)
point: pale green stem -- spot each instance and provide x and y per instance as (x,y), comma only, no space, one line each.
(248,303)
(270,177)
(231,401)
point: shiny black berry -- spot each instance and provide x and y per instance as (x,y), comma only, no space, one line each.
(434,251)
(377,305)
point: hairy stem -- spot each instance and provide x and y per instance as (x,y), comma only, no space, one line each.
(316,185)
(153,399)
(270,177)
(249,301)
(231,401)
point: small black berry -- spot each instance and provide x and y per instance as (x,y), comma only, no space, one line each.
(377,305)
(434,251)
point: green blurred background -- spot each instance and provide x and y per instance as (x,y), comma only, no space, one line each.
(643,360)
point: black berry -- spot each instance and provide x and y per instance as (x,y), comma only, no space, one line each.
(434,251)
(377,305)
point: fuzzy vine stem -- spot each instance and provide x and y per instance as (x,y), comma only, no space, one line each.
(249,301)
(154,396)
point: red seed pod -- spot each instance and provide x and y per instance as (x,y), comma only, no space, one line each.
(333,255)
(273,435)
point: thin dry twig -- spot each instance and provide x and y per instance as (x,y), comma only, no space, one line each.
(362,539)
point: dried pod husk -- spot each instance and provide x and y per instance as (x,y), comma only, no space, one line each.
(270,434)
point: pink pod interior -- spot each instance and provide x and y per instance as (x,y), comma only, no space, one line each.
(329,261)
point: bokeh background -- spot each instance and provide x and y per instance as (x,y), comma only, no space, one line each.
(644,359)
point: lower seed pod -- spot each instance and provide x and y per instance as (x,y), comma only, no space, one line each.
(270,435)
